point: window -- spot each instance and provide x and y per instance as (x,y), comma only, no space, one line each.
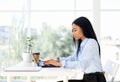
(49,23)
(110,10)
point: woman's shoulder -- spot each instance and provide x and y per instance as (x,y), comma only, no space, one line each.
(92,41)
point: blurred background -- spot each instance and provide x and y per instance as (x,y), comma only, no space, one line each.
(48,22)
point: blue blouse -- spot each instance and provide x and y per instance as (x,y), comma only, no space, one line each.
(86,59)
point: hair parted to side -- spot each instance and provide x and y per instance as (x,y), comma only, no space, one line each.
(87,28)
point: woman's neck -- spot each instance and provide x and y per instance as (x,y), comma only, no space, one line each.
(83,38)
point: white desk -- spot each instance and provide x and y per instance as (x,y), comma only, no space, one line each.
(60,73)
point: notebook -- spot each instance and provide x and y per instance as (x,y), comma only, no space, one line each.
(22,69)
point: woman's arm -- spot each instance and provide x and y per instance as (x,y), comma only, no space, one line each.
(90,55)
(60,60)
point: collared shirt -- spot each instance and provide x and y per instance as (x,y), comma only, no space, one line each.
(86,59)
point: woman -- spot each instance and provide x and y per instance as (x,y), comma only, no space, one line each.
(87,54)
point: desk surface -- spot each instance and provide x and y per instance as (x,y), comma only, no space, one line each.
(70,73)
(44,72)
(22,69)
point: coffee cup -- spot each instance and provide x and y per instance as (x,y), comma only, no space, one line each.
(36,57)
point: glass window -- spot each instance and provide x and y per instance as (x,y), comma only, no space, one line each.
(52,5)
(45,20)
(88,14)
(12,34)
(110,10)
(16,5)
(9,18)
(49,27)
(84,4)
(110,4)
(110,24)
(54,19)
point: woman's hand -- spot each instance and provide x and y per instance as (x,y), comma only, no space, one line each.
(52,62)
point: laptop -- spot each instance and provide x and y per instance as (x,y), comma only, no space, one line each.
(41,64)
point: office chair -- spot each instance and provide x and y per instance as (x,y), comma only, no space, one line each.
(110,69)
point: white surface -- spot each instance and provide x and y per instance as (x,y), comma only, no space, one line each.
(25,64)
(60,73)
(44,80)
(22,69)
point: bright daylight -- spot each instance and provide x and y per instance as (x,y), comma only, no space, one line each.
(53,41)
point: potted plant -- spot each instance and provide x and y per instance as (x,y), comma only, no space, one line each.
(27,54)
(29,44)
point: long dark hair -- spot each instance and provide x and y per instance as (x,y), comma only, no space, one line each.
(87,28)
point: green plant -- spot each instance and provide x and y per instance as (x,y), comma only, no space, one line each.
(29,44)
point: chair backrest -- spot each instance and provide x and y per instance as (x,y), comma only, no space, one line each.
(111,67)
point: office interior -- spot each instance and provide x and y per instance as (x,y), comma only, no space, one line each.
(48,22)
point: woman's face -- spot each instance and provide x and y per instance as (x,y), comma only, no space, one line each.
(77,32)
